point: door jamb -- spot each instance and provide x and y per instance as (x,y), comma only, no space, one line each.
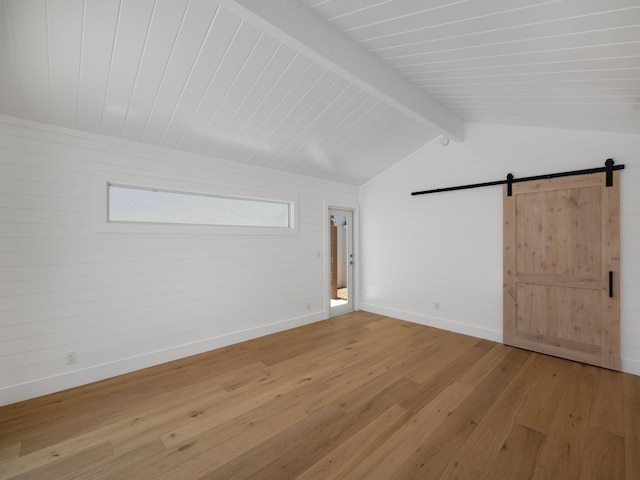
(327,252)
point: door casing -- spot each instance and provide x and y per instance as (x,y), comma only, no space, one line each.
(351,281)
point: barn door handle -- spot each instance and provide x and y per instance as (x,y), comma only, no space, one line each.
(610,284)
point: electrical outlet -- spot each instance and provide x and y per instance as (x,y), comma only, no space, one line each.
(308,305)
(436,305)
(72,358)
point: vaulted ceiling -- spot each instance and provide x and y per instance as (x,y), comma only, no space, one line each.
(335,89)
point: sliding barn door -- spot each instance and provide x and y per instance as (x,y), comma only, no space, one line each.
(561,241)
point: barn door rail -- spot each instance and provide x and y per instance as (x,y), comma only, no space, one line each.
(608,169)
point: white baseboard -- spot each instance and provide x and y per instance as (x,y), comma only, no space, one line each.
(457,327)
(628,365)
(43,386)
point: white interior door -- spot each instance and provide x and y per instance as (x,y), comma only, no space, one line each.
(341,288)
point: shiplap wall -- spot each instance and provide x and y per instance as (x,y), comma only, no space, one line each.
(437,259)
(124,301)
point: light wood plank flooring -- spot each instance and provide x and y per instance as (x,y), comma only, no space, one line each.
(359,396)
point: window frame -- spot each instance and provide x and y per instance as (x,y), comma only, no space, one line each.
(104,180)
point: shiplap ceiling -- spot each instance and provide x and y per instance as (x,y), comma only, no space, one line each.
(335,89)
(561,63)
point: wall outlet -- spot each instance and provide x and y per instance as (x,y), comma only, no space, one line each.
(308,305)
(436,305)
(72,358)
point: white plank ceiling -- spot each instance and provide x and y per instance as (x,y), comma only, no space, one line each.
(561,63)
(257,81)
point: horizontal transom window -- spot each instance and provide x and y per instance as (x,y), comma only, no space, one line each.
(147,205)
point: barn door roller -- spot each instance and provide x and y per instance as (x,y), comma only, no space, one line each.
(608,169)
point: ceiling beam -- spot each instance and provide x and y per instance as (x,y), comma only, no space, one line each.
(296,25)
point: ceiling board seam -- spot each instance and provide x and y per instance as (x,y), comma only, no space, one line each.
(80,63)
(328,119)
(351,111)
(519,54)
(502,75)
(406,15)
(264,98)
(537,101)
(229,88)
(268,117)
(449,84)
(518,65)
(273,130)
(249,91)
(209,83)
(526,41)
(13,57)
(329,149)
(142,53)
(531,103)
(113,49)
(320,2)
(302,117)
(517,110)
(324,136)
(540,94)
(193,66)
(165,69)
(290,142)
(528,89)
(293,143)
(358,10)
(48,36)
(301,146)
(481,32)
(162,76)
(456,21)
(471,47)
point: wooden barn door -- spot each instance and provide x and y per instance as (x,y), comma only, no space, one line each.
(561,241)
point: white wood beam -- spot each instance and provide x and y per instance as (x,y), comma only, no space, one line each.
(296,25)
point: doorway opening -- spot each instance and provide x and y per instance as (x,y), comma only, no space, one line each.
(341,261)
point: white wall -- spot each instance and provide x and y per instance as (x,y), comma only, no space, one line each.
(124,301)
(437,259)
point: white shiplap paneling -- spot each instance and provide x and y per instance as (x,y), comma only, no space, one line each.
(570,63)
(64,29)
(99,23)
(168,20)
(32,70)
(446,249)
(9,104)
(134,22)
(126,300)
(195,76)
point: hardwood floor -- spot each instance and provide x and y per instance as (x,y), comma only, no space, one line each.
(359,396)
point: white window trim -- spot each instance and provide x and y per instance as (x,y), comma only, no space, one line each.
(106,179)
